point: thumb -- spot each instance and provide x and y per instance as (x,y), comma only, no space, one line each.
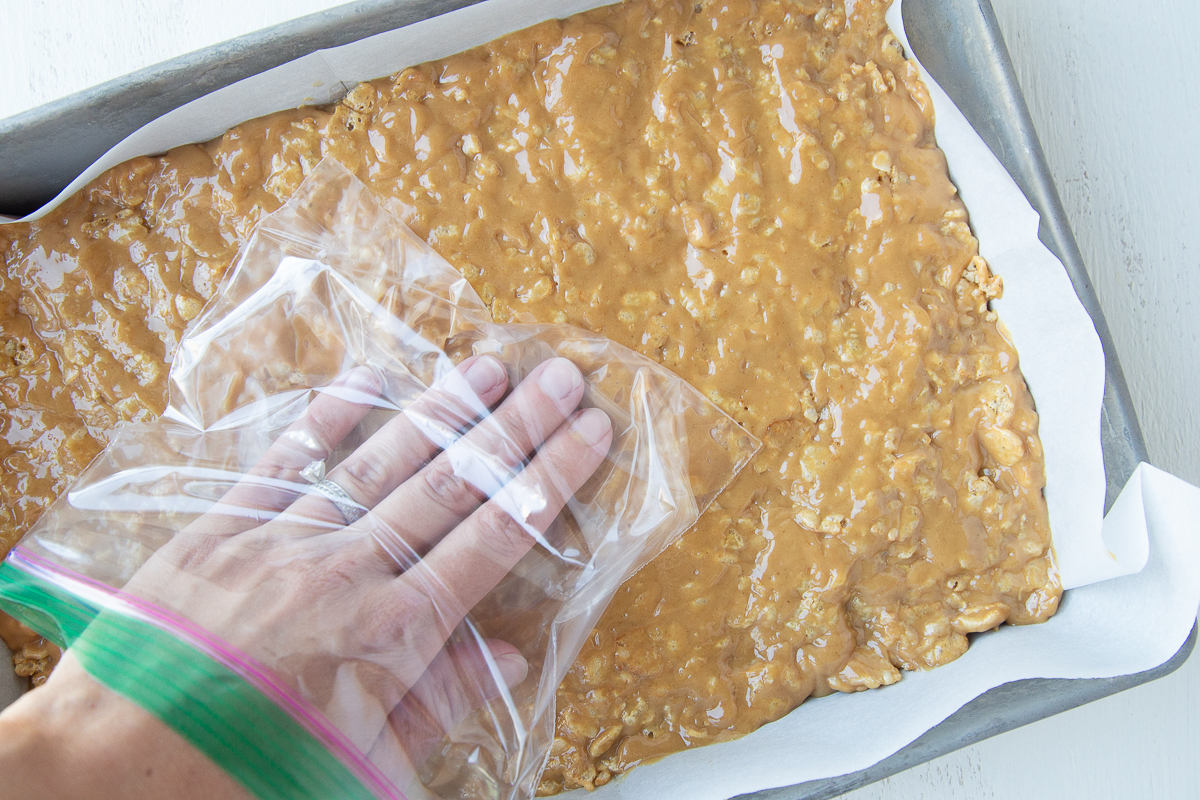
(461,679)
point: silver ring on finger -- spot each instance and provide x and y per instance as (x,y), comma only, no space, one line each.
(350,510)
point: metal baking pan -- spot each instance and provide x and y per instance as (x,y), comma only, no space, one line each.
(958,41)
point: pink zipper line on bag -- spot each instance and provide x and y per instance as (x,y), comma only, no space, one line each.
(250,670)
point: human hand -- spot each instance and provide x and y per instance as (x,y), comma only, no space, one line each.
(354,614)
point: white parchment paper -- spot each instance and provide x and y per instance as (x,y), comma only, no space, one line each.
(1139,567)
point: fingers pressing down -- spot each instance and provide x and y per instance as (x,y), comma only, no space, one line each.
(406,443)
(476,555)
(489,458)
(329,418)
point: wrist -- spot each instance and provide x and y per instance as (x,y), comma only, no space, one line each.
(74,738)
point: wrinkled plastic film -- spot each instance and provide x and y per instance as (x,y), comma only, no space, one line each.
(194,526)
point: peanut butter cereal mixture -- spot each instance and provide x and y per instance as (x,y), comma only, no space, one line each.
(748,192)
(33,657)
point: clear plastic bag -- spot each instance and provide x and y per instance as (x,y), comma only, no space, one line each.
(335,564)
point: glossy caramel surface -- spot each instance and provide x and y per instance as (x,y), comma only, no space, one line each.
(749,193)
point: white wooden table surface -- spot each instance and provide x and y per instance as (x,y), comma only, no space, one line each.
(1115,97)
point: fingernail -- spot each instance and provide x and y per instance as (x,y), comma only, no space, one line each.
(360,379)
(513,668)
(560,379)
(485,374)
(590,426)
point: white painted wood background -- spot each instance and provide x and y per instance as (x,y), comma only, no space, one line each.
(1115,96)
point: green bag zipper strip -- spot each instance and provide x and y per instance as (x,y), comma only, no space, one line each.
(245,733)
